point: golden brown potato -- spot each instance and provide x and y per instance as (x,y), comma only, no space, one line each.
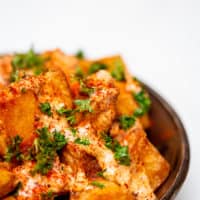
(56,87)
(56,59)
(156,167)
(109,62)
(112,61)
(9,198)
(17,115)
(3,144)
(7,182)
(5,69)
(125,102)
(109,191)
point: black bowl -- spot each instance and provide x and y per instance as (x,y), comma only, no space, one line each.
(169,136)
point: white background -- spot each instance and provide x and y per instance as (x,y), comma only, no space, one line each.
(159,39)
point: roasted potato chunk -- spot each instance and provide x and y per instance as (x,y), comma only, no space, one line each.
(3,144)
(17,115)
(125,102)
(156,167)
(109,190)
(7,182)
(10,198)
(5,69)
(55,87)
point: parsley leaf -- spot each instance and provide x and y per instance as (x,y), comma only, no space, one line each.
(74,131)
(13,151)
(46,108)
(29,60)
(84,89)
(23,90)
(59,139)
(126,121)
(101,173)
(144,103)
(71,119)
(83,105)
(98,184)
(14,76)
(108,141)
(46,147)
(80,54)
(79,73)
(64,111)
(83,141)
(96,67)
(121,153)
(118,71)
(69,114)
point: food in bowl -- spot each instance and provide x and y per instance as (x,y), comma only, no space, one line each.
(75,127)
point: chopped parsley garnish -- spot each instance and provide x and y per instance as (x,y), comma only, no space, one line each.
(46,108)
(69,114)
(108,141)
(136,79)
(74,131)
(79,73)
(83,141)
(84,89)
(29,60)
(14,76)
(98,184)
(13,151)
(121,153)
(118,71)
(126,121)
(46,146)
(64,111)
(23,90)
(80,54)
(96,67)
(101,173)
(144,103)
(83,105)
(71,119)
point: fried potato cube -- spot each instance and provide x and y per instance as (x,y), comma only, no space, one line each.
(56,87)
(156,167)
(17,115)
(109,190)
(10,198)
(125,102)
(5,69)
(3,144)
(7,183)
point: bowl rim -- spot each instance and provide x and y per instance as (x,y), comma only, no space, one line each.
(185,162)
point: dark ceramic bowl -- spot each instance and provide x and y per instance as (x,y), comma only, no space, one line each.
(169,136)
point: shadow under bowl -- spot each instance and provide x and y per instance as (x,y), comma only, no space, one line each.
(169,136)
